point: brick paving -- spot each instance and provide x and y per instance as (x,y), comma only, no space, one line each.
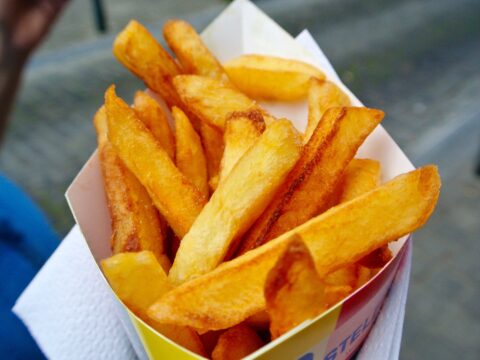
(417,60)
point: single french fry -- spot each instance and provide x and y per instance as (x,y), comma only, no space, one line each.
(322,95)
(363,275)
(139,280)
(293,290)
(155,119)
(336,293)
(212,140)
(173,195)
(237,202)
(211,100)
(310,186)
(139,52)
(136,224)
(346,276)
(259,321)
(190,157)
(242,130)
(190,50)
(359,177)
(236,343)
(376,259)
(338,237)
(271,78)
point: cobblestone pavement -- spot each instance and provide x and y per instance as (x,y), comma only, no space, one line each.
(417,60)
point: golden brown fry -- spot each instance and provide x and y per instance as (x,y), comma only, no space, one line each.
(190,50)
(310,186)
(212,140)
(259,321)
(322,95)
(359,177)
(173,195)
(376,259)
(236,343)
(139,280)
(242,130)
(271,78)
(155,119)
(211,100)
(293,290)
(237,202)
(364,274)
(348,232)
(139,52)
(336,293)
(190,157)
(136,224)
(346,276)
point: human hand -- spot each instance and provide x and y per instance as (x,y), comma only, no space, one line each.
(23,24)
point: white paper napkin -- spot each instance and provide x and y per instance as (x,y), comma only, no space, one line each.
(69,309)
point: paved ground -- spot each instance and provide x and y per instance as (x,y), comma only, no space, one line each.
(417,60)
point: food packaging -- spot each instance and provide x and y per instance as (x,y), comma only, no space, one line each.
(337,334)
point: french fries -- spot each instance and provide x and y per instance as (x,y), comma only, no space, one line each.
(242,130)
(271,78)
(190,157)
(293,290)
(269,227)
(139,52)
(155,119)
(136,224)
(237,202)
(139,280)
(236,343)
(322,95)
(310,186)
(173,195)
(191,52)
(211,100)
(348,231)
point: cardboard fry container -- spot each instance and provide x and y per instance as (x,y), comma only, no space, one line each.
(243,29)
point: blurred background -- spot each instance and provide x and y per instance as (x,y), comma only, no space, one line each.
(417,60)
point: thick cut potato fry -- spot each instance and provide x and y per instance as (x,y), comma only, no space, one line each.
(173,195)
(376,259)
(155,119)
(190,156)
(336,293)
(139,280)
(212,140)
(139,52)
(271,78)
(190,50)
(359,177)
(293,290)
(338,237)
(211,100)
(346,276)
(242,130)
(322,95)
(136,224)
(310,186)
(236,343)
(237,202)
(364,274)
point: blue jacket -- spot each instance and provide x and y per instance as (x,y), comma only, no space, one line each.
(26,241)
